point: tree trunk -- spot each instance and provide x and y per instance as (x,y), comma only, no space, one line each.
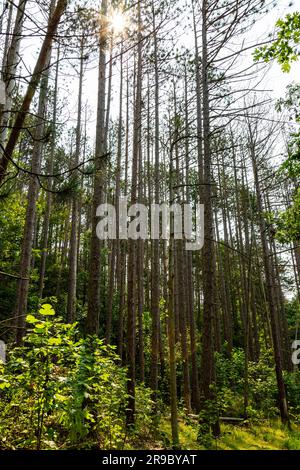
(270,290)
(33,189)
(132,245)
(74,240)
(92,321)
(208,374)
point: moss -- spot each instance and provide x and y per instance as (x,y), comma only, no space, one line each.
(269,435)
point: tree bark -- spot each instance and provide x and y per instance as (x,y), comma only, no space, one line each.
(92,321)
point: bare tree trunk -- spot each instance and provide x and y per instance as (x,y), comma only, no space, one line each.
(107,115)
(270,291)
(45,234)
(140,276)
(74,240)
(63,249)
(132,248)
(33,189)
(171,325)
(155,271)
(122,296)
(92,321)
(195,392)
(208,373)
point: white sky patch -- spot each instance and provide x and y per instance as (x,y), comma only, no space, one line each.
(272,79)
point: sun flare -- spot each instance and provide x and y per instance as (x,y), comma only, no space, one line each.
(118,21)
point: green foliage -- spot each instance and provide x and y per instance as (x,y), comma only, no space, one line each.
(291,102)
(265,435)
(230,371)
(12,214)
(288,222)
(292,311)
(284,48)
(209,415)
(144,406)
(262,385)
(66,391)
(292,382)
(263,388)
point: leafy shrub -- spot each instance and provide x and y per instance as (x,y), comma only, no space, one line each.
(230,371)
(292,381)
(262,387)
(58,391)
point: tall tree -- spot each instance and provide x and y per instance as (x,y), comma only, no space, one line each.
(92,321)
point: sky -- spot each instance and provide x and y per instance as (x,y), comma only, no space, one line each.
(274,81)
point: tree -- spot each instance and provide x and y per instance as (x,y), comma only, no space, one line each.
(92,321)
(32,87)
(284,48)
(30,221)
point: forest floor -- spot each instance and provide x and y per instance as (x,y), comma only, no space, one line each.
(270,435)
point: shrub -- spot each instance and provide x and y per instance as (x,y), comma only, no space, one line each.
(58,391)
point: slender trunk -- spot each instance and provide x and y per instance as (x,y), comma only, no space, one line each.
(132,245)
(30,220)
(195,392)
(270,291)
(208,373)
(155,287)
(171,326)
(74,240)
(92,321)
(45,234)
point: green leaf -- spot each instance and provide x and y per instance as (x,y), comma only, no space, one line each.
(60,398)
(47,309)
(31,319)
(4,385)
(55,341)
(286,67)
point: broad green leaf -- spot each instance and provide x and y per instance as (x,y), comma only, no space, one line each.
(55,341)
(31,319)
(47,309)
